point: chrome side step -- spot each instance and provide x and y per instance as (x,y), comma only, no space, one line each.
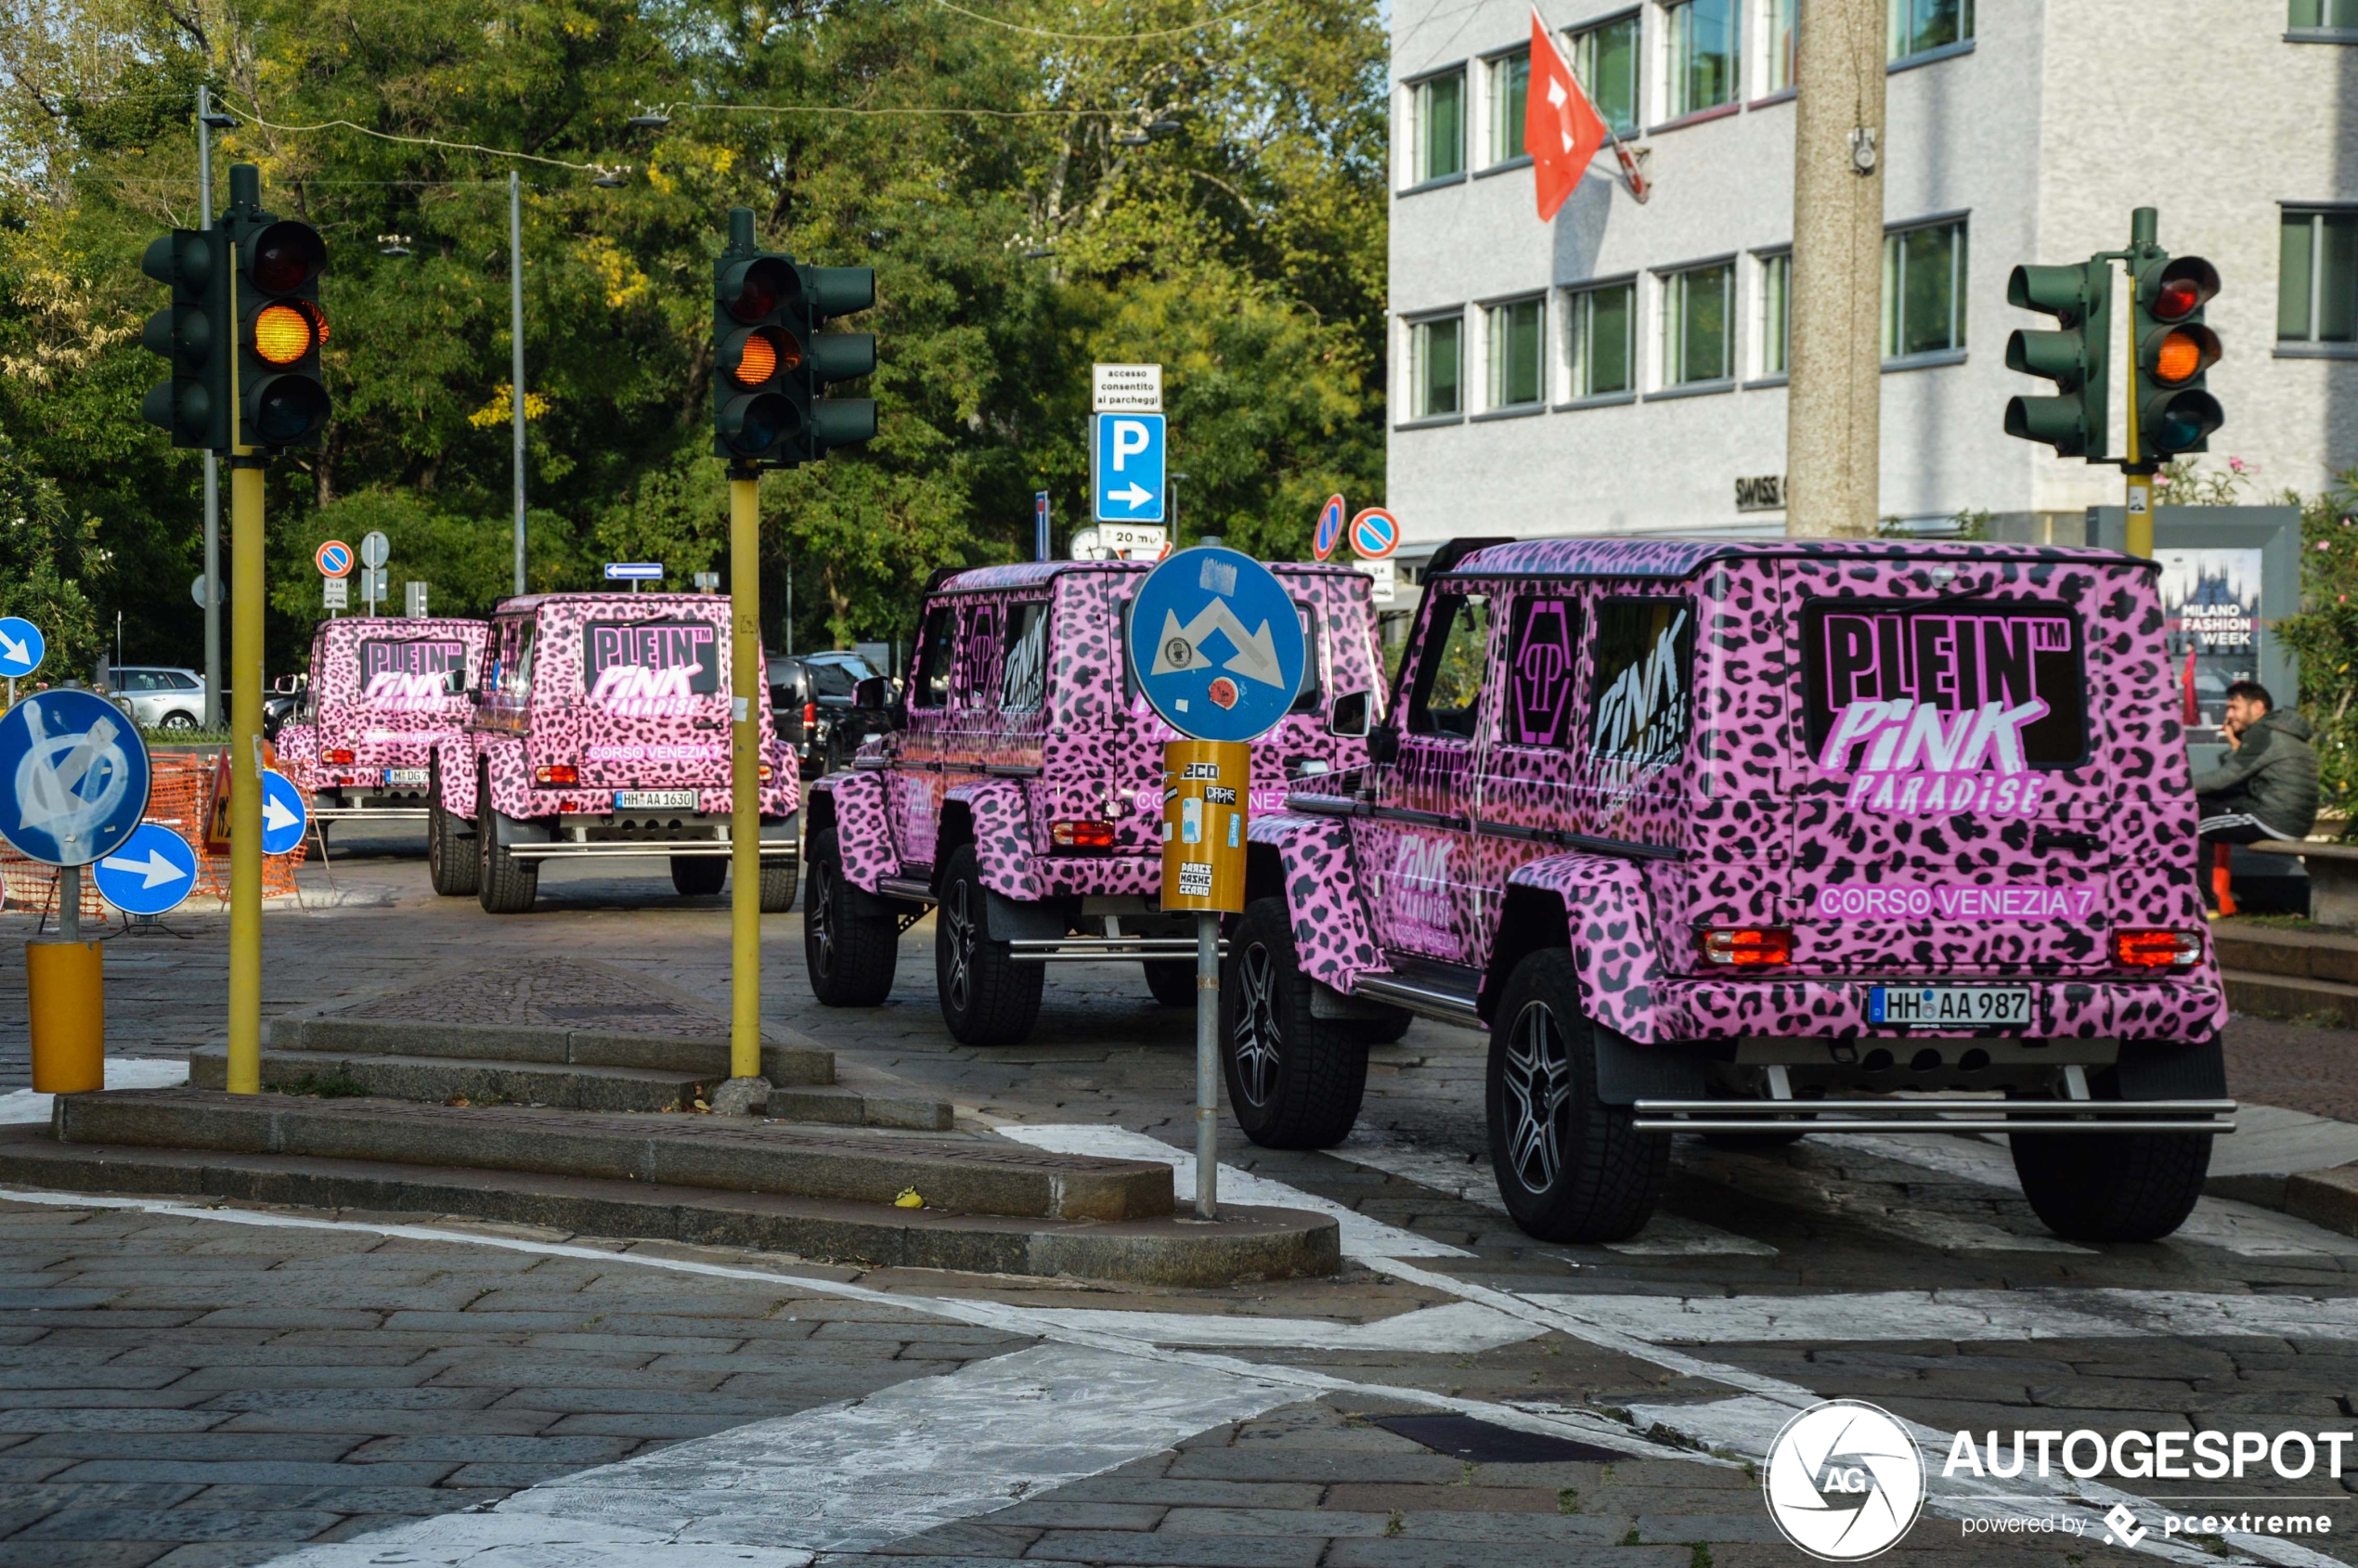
(1082,950)
(1933,1115)
(1444,1007)
(905,888)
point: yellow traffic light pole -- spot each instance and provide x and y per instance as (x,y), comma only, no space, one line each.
(745,773)
(245,743)
(2139,472)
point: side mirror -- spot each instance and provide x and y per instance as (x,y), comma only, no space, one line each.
(872,695)
(1383,743)
(1350,717)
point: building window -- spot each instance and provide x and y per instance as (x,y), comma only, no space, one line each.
(1924,291)
(1920,26)
(1437,115)
(1776,306)
(1432,366)
(1509,83)
(2325,13)
(1694,324)
(1703,55)
(1606,59)
(1598,341)
(2317,277)
(1777,35)
(1516,335)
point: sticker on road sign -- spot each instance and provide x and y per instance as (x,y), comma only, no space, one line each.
(150,873)
(1328,533)
(334,559)
(1195,879)
(334,593)
(1217,643)
(374,547)
(74,777)
(282,813)
(1375,534)
(22,647)
(1126,480)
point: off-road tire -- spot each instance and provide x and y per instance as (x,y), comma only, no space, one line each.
(1172,980)
(987,997)
(451,858)
(780,877)
(1294,1081)
(1570,1167)
(2112,1187)
(699,877)
(849,957)
(504,885)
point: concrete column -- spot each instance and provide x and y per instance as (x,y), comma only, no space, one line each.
(1834,407)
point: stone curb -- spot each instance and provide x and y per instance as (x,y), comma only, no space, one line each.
(697,1057)
(2326,1197)
(732,1154)
(1245,1244)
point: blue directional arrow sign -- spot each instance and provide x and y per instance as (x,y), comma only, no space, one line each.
(152,870)
(74,777)
(1217,645)
(1126,481)
(21,646)
(282,813)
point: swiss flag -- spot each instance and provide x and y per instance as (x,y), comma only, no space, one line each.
(1560,129)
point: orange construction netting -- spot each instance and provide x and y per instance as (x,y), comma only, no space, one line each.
(181,800)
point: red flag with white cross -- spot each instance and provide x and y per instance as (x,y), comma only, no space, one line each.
(1560,127)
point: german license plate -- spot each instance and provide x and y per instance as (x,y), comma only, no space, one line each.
(1948,1006)
(654,799)
(405,778)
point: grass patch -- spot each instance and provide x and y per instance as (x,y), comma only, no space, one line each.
(1568,1500)
(1698,1555)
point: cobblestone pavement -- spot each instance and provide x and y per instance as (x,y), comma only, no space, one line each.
(196,1389)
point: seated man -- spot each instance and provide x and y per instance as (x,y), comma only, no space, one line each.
(2266,786)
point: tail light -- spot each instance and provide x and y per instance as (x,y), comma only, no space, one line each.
(336,754)
(565,775)
(766,771)
(1081,835)
(810,714)
(1747,946)
(2156,949)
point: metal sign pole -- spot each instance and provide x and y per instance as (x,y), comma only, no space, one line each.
(516,335)
(212,458)
(1207,1065)
(69,903)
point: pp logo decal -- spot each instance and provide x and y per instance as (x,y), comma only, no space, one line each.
(1844,1481)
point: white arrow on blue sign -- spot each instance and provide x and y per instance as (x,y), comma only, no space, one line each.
(634,571)
(150,873)
(22,647)
(74,777)
(1217,642)
(1126,481)
(282,813)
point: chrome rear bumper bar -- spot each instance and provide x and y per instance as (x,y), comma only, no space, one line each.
(368,815)
(1934,1115)
(771,849)
(1082,950)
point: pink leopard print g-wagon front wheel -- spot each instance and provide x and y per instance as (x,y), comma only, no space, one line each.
(1295,1081)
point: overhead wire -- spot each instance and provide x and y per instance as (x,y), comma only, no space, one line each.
(1110,37)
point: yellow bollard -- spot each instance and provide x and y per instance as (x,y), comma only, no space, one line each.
(66,994)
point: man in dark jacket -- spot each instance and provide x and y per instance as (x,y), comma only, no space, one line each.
(2266,786)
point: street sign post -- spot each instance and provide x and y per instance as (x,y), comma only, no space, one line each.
(1126,476)
(375,549)
(1039,524)
(414,601)
(283,814)
(150,873)
(1218,645)
(334,558)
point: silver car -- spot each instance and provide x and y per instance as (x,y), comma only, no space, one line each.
(160,697)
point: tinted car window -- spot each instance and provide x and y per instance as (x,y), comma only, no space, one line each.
(1644,651)
(830,677)
(1448,688)
(1306,696)
(185,682)
(1953,659)
(653,658)
(1543,638)
(930,683)
(1024,662)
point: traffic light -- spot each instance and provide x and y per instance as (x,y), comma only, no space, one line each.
(281,400)
(2075,356)
(194,333)
(771,361)
(2175,413)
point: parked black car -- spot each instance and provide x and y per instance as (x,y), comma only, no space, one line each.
(812,694)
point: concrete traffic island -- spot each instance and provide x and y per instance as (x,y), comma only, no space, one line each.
(821,1193)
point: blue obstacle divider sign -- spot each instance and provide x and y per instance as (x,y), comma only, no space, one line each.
(1126,479)
(74,777)
(283,814)
(22,647)
(1217,643)
(149,873)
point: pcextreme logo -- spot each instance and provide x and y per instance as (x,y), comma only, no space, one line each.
(1844,1481)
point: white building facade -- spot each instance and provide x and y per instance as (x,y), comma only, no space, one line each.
(1622,368)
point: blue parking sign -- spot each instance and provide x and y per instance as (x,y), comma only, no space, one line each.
(1126,481)
(74,777)
(1217,645)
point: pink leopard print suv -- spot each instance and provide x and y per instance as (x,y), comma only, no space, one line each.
(1755,839)
(599,730)
(1020,790)
(382,692)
